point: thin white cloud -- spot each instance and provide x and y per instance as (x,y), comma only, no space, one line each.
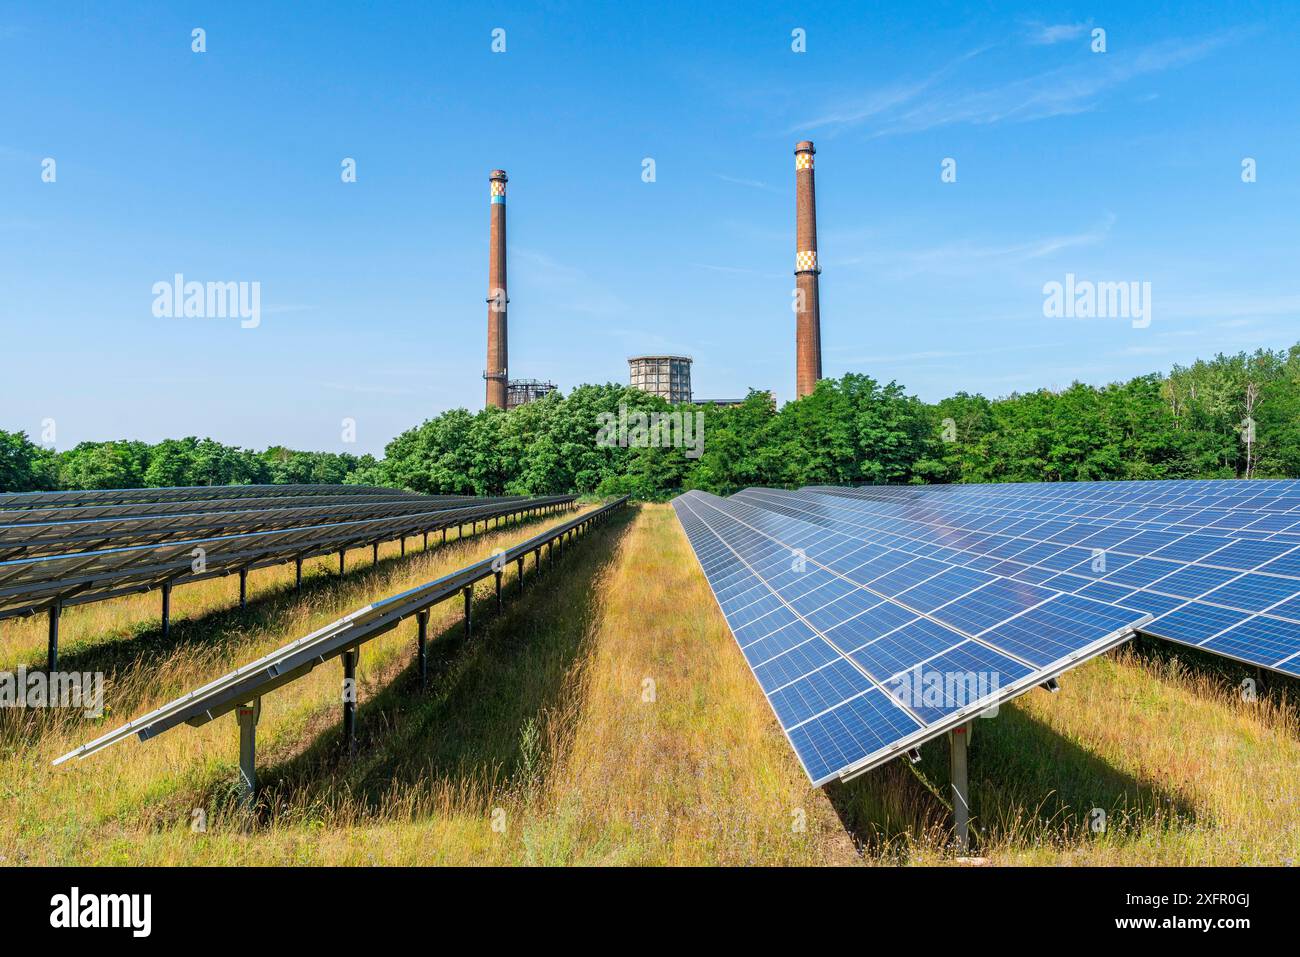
(737,270)
(965,257)
(1042,34)
(571,288)
(360,389)
(285,309)
(1234,306)
(932,355)
(740,181)
(1077,87)
(886,101)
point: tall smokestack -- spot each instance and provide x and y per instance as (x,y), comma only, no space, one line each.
(808,322)
(495,373)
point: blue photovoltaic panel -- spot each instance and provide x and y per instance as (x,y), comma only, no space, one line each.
(845,629)
(1216,563)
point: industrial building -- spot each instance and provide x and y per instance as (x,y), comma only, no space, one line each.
(666,376)
(719,403)
(523,391)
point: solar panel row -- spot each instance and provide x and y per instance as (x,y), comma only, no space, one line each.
(246,685)
(182,493)
(68,578)
(59,513)
(1216,564)
(52,537)
(865,647)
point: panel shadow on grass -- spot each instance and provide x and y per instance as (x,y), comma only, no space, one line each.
(1163,658)
(480,727)
(1029,785)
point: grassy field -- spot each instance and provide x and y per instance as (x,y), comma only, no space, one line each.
(606,717)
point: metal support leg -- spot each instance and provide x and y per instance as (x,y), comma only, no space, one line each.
(498,577)
(426,541)
(52,649)
(537,561)
(402,542)
(243,588)
(444,535)
(957,742)
(167,609)
(340,563)
(349,700)
(521,576)
(422,620)
(469,610)
(247,715)
(297,575)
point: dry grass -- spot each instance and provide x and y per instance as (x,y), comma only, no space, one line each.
(541,725)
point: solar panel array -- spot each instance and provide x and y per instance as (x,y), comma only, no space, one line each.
(1216,563)
(848,631)
(191,493)
(26,533)
(300,656)
(67,548)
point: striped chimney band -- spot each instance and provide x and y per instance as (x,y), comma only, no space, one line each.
(806,261)
(498,191)
(803,160)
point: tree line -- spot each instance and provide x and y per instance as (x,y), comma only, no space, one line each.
(1233,416)
(26,466)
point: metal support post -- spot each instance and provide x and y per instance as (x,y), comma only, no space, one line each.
(469,611)
(958,738)
(422,620)
(52,649)
(349,699)
(167,609)
(243,588)
(247,715)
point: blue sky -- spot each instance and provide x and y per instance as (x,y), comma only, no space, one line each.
(225,166)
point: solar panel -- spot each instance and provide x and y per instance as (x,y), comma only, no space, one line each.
(183,493)
(56,512)
(864,648)
(51,533)
(79,576)
(1216,563)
